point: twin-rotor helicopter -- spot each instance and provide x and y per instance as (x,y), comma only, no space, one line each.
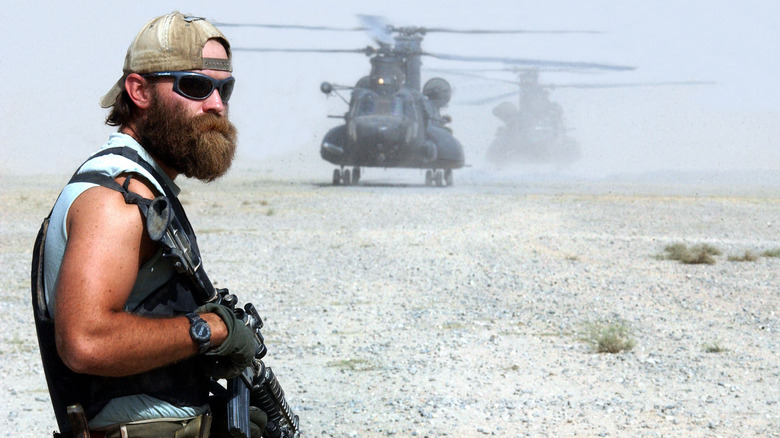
(533,130)
(393,119)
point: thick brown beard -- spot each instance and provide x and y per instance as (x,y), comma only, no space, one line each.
(201,146)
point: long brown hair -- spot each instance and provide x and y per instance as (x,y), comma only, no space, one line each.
(123,110)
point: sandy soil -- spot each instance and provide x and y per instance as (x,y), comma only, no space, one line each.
(393,309)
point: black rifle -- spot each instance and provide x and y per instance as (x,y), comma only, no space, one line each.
(257,385)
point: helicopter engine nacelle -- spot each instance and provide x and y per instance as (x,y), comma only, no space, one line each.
(326,87)
(364,82)
(438,91)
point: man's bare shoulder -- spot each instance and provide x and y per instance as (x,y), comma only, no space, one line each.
(103,208)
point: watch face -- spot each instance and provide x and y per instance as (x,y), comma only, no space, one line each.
(200,331)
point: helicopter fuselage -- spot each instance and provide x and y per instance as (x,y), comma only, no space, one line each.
(390,130)
(391,122)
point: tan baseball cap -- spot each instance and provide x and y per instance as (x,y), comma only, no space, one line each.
(172,42)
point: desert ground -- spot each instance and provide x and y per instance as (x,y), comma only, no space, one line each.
(395,309)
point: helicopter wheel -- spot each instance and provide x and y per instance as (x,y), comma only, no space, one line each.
(448,177)
(336,177)
(438,178)
(345,178)
(428,177)
(355,175)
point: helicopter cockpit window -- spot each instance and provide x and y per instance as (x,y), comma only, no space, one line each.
(371,104)
(366,105)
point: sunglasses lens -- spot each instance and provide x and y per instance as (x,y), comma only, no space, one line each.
(196,87)
(227,90)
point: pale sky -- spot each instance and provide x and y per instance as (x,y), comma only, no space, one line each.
(58,58)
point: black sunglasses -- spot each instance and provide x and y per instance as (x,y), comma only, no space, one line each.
(197,86)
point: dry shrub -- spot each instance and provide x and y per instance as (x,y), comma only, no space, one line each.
(772,253)
(713,348)
(748,256)
(609,337)
(702,253)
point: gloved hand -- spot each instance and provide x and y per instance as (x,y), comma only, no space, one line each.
(257,422)
(235,354)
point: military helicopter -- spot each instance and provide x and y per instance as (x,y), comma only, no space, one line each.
(392,121)
(533,130)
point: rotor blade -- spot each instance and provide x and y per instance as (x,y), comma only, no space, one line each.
(289,26)
(491,99)
(512,69)
(471,75)
(628,84)
(365,51)
(534,62)
(505,31)
(378,28)
(586,86)
(459,70)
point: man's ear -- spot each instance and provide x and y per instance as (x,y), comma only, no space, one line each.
(139,90)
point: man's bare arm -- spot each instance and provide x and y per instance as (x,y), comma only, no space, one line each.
(106,246)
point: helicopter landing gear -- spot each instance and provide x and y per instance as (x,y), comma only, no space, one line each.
(439,177)
(343,177)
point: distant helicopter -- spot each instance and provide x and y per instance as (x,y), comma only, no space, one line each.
(533,130)
(393,121)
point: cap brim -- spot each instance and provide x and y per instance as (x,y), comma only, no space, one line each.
(109,99)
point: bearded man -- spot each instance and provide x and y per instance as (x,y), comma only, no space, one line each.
(129,342)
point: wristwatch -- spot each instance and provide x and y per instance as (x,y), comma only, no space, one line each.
(200,332)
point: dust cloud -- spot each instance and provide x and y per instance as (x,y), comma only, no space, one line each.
(51,119)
